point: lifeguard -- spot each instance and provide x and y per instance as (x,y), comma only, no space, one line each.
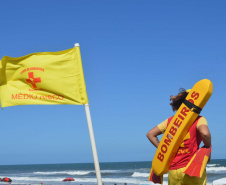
(182,131)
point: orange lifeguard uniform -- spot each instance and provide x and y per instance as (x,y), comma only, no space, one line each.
(184,154)
(188,148)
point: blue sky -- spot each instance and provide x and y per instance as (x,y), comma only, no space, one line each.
(135,55)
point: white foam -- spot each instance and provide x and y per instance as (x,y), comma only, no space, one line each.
(36,179)
(80,180)
(165,175)
(151,183)
(138,174)
(125,180)
(64,172)
(220,181)
(210,165)
(76,172)
(215,169)
(91,180)
(110,171)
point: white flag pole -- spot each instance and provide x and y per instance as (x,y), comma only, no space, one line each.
(92,140)
(93,144)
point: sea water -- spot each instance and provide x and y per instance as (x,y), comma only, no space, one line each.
(118,173)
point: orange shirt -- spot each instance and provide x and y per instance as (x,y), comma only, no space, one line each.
(162,126)
(190,144)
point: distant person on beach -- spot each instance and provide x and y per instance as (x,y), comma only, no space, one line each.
(6,179)
(197,133)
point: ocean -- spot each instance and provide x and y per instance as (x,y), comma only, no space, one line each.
(113,173)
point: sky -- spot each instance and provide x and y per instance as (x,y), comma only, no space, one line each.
(135,54)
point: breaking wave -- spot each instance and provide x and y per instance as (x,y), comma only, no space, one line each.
(64,173)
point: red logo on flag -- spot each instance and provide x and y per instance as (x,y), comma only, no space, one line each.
(33,80)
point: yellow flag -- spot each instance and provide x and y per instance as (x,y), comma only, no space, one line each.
(43,78)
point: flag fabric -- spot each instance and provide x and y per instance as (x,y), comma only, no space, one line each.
(43,78)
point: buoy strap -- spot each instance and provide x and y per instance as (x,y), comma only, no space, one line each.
(192,106)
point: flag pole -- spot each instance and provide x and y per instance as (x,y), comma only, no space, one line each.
(93,144)
(92,139)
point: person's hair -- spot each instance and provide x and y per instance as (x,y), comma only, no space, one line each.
(178,99)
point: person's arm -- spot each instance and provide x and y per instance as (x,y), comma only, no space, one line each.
(205,134)
(152,136)
(206,137)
